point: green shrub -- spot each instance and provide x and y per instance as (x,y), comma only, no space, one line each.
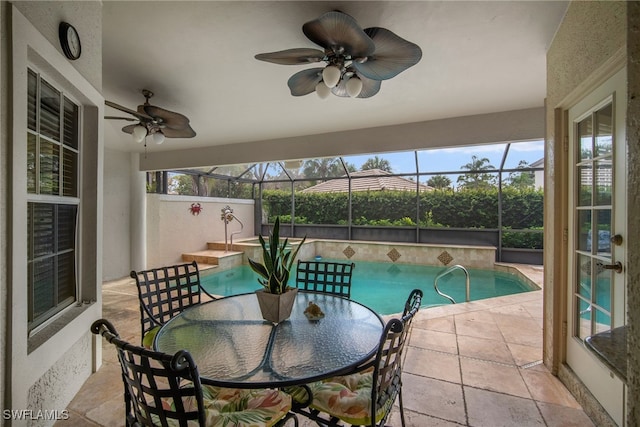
(521,209)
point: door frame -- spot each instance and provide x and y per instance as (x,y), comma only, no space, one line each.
(606,387)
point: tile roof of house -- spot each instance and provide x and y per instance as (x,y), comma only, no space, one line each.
(367,180)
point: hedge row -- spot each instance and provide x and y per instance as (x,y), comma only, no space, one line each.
(521,209)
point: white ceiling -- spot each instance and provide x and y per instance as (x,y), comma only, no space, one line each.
(198,59)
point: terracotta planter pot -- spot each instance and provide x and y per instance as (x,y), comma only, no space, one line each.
(276,308)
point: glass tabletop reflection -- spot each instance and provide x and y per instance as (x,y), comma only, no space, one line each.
(234,347)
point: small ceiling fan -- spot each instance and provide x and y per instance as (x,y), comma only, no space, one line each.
(153,121)
(357,60)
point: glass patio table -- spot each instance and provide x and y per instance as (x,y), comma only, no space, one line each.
(234,347)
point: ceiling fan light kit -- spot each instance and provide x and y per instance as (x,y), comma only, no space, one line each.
(153,121)
(356,60)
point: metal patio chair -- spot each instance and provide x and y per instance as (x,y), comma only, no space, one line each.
(326,277)
(164,292)
(164,390)
(364,398)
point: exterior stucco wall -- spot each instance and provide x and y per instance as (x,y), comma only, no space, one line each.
(589,47)
(49,367)
(172,230)
(85,16)
(117,205)
(5,31)
(633,207)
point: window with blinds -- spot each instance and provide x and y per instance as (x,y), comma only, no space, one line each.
(52,207)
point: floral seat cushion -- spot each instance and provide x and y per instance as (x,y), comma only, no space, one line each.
(346,397)
(242,408)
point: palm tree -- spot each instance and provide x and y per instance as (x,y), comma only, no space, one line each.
(376,163)
(439,181)
(325,167)
(477,177)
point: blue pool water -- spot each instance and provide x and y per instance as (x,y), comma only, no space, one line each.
(384,287)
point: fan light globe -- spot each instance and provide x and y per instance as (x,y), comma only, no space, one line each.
(354,86)
(323,90)
(139,132)
(331,75)
(158,137)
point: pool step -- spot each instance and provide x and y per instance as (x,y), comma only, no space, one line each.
(220,246)
(214,257)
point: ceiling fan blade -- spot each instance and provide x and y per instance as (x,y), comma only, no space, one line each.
(168,118)
(131,119)
(335,31)
(304,82)
(296,56)
(393,55)
(370,87)
(141,115)
(186,132)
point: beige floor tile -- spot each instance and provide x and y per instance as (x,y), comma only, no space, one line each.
(434,340)
(490,409)
(440,324)
(561,416)
(517,310)
(493,376)
(109,413)
(478,329)
(480,348)
(76,420)
(432,364)
(100,387)
(524,336)
(475,316)
(525,354)
(544,387)
(414,419)
(439,399)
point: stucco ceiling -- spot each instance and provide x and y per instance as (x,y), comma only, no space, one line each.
(198,58)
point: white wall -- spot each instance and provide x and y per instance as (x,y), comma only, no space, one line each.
(44,370)
(173,230)
(115,245)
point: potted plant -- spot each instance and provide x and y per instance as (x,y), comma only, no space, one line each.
(276,298)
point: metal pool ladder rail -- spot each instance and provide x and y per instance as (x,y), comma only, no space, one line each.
(444,273)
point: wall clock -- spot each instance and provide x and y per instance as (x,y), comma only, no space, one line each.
(69,40)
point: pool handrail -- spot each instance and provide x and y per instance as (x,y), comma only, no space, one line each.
(447,271)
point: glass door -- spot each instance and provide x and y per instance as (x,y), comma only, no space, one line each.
(597,227)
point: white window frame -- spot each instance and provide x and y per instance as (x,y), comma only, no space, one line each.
(54,313)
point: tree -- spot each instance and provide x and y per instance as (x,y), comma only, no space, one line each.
(521,180)
(477,175)
(184,185)
(376,163)
(439,181)
(326,167)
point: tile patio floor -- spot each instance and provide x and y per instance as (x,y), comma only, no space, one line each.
(473,364)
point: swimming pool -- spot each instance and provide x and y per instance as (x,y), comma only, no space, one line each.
(384,287)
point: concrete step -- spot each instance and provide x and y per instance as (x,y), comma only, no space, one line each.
(214,257)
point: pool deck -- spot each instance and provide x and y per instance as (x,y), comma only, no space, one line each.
(469,364)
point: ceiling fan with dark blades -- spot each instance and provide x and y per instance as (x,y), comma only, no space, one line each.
(153,121)
(357,60)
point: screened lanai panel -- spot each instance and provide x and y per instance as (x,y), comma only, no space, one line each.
(478,157)
(396,162)
(244,170)
(524,154)
(324,203)
(318,169)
